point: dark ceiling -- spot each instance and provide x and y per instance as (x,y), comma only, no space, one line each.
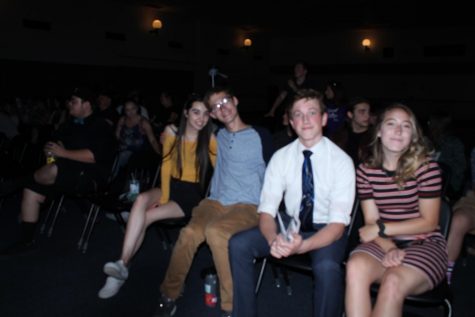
(303,17)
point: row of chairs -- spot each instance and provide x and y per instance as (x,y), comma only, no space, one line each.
(107,198)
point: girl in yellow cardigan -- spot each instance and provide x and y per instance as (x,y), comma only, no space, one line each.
(189,152)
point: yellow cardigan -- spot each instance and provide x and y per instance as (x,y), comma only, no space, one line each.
(189,172)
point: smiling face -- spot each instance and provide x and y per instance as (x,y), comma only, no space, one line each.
(223,107)
(396,131)
(308,121)
(197,116)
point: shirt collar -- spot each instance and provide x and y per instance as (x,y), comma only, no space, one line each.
(316,148)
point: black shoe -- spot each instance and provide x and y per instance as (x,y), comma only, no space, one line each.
(19,248)
(166,307)
(225,313)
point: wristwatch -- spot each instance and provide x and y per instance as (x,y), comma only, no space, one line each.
(382,228)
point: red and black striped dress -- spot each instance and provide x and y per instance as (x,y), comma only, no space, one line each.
(427,252)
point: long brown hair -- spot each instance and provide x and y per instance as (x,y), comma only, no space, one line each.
(411,159)
(202,162)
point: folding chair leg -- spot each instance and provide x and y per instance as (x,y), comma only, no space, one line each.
(91,227)
(448,308)
(58,209)
(261,274)
(48,214)
(86,225)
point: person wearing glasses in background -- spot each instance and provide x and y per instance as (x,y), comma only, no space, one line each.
(231,207)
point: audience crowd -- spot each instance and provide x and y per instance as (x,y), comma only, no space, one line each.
(249,194)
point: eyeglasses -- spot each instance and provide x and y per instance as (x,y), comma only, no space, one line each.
(224,102)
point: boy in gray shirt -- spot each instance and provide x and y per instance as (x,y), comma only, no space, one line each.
(232,205)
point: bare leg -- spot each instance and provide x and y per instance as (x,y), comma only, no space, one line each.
(397,284)
(46,175)
(144,213)
(361,271)
(30,204)
(462,222)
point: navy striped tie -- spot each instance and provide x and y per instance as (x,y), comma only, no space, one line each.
(306,206)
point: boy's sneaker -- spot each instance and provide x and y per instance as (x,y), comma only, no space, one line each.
(166,307)
(116,269)
(111,287)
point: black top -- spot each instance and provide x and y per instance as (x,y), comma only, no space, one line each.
(93,134)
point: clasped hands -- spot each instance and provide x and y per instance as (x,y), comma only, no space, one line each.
(393,256)
(281,247)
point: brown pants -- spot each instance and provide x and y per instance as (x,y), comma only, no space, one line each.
(216,224)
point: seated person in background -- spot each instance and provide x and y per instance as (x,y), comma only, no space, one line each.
(449,150)
(135,134)
(105,108)
(83,151)
(164,113)
(320,194)
(399,187)
(463,221)
(243,151)
(335,101)
(189,152)
(286,135)
(354,136)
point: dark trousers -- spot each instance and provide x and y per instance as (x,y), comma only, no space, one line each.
(328,292)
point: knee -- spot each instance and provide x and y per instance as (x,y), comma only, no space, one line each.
(391,286)
(189,235)
(30,196)
(327,268)
(460,223)
(355,268)
(216,236)
(141,201)
(46,174)
(239,245)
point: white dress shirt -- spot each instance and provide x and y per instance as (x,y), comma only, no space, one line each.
(333,177)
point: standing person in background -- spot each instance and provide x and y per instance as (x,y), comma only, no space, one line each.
(299,80)
(335,100)
(399,187)
(189,151)
(355,135)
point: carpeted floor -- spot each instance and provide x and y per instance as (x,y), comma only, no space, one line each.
(58,280)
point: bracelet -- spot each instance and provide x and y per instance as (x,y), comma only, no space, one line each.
(382,228)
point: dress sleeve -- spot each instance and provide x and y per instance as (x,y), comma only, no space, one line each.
(166,169)
(429,180)
(365,190)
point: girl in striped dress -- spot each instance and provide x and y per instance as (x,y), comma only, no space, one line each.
(399,188)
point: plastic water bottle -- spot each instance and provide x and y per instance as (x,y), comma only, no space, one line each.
(134,188)
(211,297)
